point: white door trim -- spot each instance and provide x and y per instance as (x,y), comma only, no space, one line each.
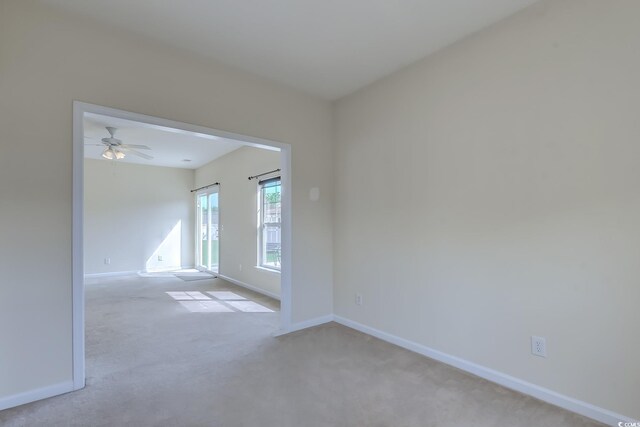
(198,240)
(79,109)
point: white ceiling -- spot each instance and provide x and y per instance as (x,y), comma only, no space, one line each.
(169,147)
(329,48)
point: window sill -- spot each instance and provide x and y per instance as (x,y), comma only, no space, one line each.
(270,270)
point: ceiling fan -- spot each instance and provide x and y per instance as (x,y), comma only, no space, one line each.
(116,150)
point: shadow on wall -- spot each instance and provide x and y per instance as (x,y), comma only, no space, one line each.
(167,255)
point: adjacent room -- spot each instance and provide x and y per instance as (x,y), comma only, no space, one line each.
(160,203)
(337,213)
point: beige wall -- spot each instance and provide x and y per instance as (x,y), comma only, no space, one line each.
(135,213)
(490,193)
(483,195)
(47,60)
(238,213)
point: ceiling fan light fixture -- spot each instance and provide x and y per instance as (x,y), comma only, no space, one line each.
(114,149)
(112,154)
(108,154)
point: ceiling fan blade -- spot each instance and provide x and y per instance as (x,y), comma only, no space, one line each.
(134,152)
(137,146)
(93,145)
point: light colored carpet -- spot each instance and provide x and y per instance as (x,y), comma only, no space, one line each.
(152,362)
(186,274)
(194,277)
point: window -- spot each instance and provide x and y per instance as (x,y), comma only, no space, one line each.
(270,223)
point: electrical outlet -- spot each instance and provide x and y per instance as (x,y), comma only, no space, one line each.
(107,261)
(159,257)
(240,267)
(538,346)
(358,299)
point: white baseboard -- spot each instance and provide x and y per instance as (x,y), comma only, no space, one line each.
(250,287)
(110,274)
(37,394)
(541,393)
(305,324)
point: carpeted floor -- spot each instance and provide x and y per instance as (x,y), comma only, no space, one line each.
(154,361)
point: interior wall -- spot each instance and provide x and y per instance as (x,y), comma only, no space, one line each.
(239,213)
(48,59)
(489,193)
(136,214)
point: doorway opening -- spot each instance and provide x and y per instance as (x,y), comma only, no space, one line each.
(208,207)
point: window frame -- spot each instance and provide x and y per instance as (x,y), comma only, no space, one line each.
(262,250)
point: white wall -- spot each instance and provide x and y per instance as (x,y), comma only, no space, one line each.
(135,213)
(238,213)
(490,192)
(48,58)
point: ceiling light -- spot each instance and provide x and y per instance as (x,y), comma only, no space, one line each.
(111,153)
(108,154)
